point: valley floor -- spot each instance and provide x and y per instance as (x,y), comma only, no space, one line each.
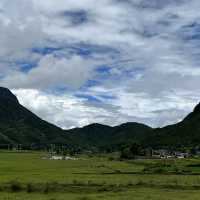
(25,176)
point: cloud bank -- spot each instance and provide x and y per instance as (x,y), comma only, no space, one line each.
(111,61)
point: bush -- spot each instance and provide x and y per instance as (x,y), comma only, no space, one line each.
(131,151)
(15,186)
(29,188)
(46,188)
(111,158)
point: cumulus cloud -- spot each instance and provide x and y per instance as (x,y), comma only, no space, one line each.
(68,110)
(52,71)
(65,110)
(117,60)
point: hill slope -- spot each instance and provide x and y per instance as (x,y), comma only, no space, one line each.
(106,137)
(184,133)
(19,125)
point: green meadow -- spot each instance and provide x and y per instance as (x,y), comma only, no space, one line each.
(29,176)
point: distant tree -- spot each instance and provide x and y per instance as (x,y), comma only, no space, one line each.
(131,151)
(135,149)
(125,153)
(193,151)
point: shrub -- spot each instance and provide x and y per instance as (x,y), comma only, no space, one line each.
(15,186)
(46,188)
(29,188)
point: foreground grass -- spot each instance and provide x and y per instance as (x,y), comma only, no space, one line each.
(134,194)
(28,176)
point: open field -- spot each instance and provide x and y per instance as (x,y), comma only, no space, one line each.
(28,176)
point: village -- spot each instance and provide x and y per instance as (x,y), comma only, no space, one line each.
(166,154)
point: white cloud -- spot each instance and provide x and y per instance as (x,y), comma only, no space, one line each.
(52,71)
(67,111)
(64,110)
(153,58)
(158,110)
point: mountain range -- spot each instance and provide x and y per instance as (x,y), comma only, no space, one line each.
(18,125)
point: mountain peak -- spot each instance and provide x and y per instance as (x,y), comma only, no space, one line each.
(194,114)
(96,125)
(6,94)
(197,108)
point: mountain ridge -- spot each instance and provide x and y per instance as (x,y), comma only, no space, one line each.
(18,125)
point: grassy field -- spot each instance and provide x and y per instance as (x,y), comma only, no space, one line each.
(28,176)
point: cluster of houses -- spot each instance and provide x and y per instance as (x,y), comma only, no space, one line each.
(166,154)
(59,157)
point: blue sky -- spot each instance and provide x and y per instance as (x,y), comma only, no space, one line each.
(109,61)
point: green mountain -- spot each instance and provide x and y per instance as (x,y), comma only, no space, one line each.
(106,137)
(184,133)
(19,125)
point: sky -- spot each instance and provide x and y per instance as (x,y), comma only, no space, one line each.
(110,61)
